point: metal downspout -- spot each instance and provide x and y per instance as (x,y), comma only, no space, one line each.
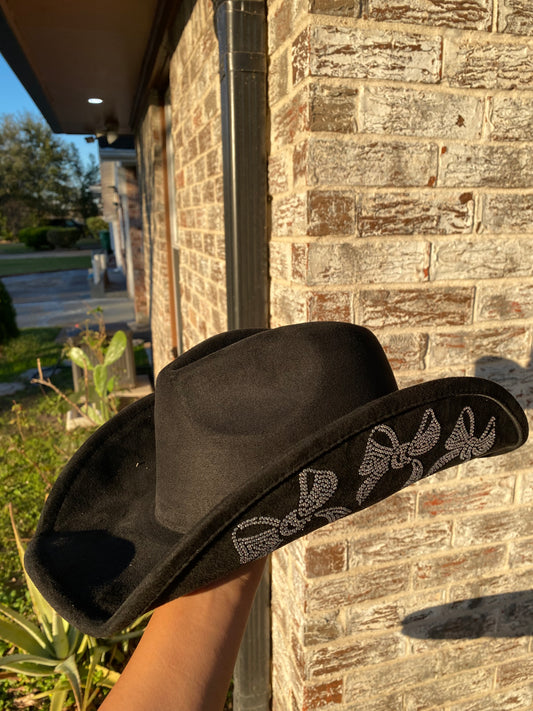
(241,30)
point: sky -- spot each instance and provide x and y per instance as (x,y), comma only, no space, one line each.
(15,98)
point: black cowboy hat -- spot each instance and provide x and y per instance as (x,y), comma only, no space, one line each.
(252,439)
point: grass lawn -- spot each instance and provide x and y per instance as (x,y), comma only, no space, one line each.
(21,353)
(14,248)
(31,265)
(19,248)
(34,447)
(34,443)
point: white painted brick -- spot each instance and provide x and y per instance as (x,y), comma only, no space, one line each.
(415,213)
(515,16)
(371,163)
(511,117)
(375,54)
(466,346)
(506,166)
(481,258)
(504,302)
(503,213)
(331,264)
(391,261)
(471,15)
(421,112)
(487,63)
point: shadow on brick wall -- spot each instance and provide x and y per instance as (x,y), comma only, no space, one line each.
(504,615)
(517,379)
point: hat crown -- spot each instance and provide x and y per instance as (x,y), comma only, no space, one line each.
(223,417)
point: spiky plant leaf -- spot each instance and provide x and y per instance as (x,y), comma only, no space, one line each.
(25,624)
(15,633)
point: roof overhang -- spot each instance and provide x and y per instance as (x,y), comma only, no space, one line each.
(65,53)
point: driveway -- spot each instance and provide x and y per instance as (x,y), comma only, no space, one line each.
(64,298)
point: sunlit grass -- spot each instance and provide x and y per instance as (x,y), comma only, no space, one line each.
(21,353)
(33,265)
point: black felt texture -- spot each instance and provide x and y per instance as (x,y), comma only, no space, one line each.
(251,440)
(228,415)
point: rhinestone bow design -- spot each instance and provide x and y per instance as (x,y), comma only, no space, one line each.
(316,488)
(380,458)
(463,443)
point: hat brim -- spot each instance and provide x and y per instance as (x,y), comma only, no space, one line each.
(101,558)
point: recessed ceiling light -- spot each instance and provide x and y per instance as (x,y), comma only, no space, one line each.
(95,101)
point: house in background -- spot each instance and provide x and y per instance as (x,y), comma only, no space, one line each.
(121,208)
(358,160)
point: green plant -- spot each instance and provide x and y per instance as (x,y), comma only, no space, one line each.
(96,224)
(94,353)
(8,319)
(80,666)
(5,232)
(30,265)
(63,237)
(19,354)
(35,238)
(34,447)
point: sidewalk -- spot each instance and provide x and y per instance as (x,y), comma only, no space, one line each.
(63,298)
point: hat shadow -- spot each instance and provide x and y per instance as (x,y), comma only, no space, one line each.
(511,375)
(503,615)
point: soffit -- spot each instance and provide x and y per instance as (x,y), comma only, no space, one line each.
(67,51)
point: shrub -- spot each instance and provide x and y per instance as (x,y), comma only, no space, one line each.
(96,224)
(35,238)
(8,319)
(63,237)
(5,232)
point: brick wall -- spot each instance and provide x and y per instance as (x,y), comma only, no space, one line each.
(137,245)
(198,232)
(157,267)
(195,100)
(401,177)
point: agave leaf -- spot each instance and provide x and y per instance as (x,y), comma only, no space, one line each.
(74,640)
(69,668)
(96,654)
(85,640)
(136,629)
(62,685)
(58,698)
(125,636)
(17,635)
(26,626)
(116,347)
(30,664)
(109,678)
(60,636)
(43,611)
(80,358)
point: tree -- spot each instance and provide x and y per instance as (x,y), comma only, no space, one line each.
(40,174)
(82,178)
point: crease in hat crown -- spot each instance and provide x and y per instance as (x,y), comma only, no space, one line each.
(230,412)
